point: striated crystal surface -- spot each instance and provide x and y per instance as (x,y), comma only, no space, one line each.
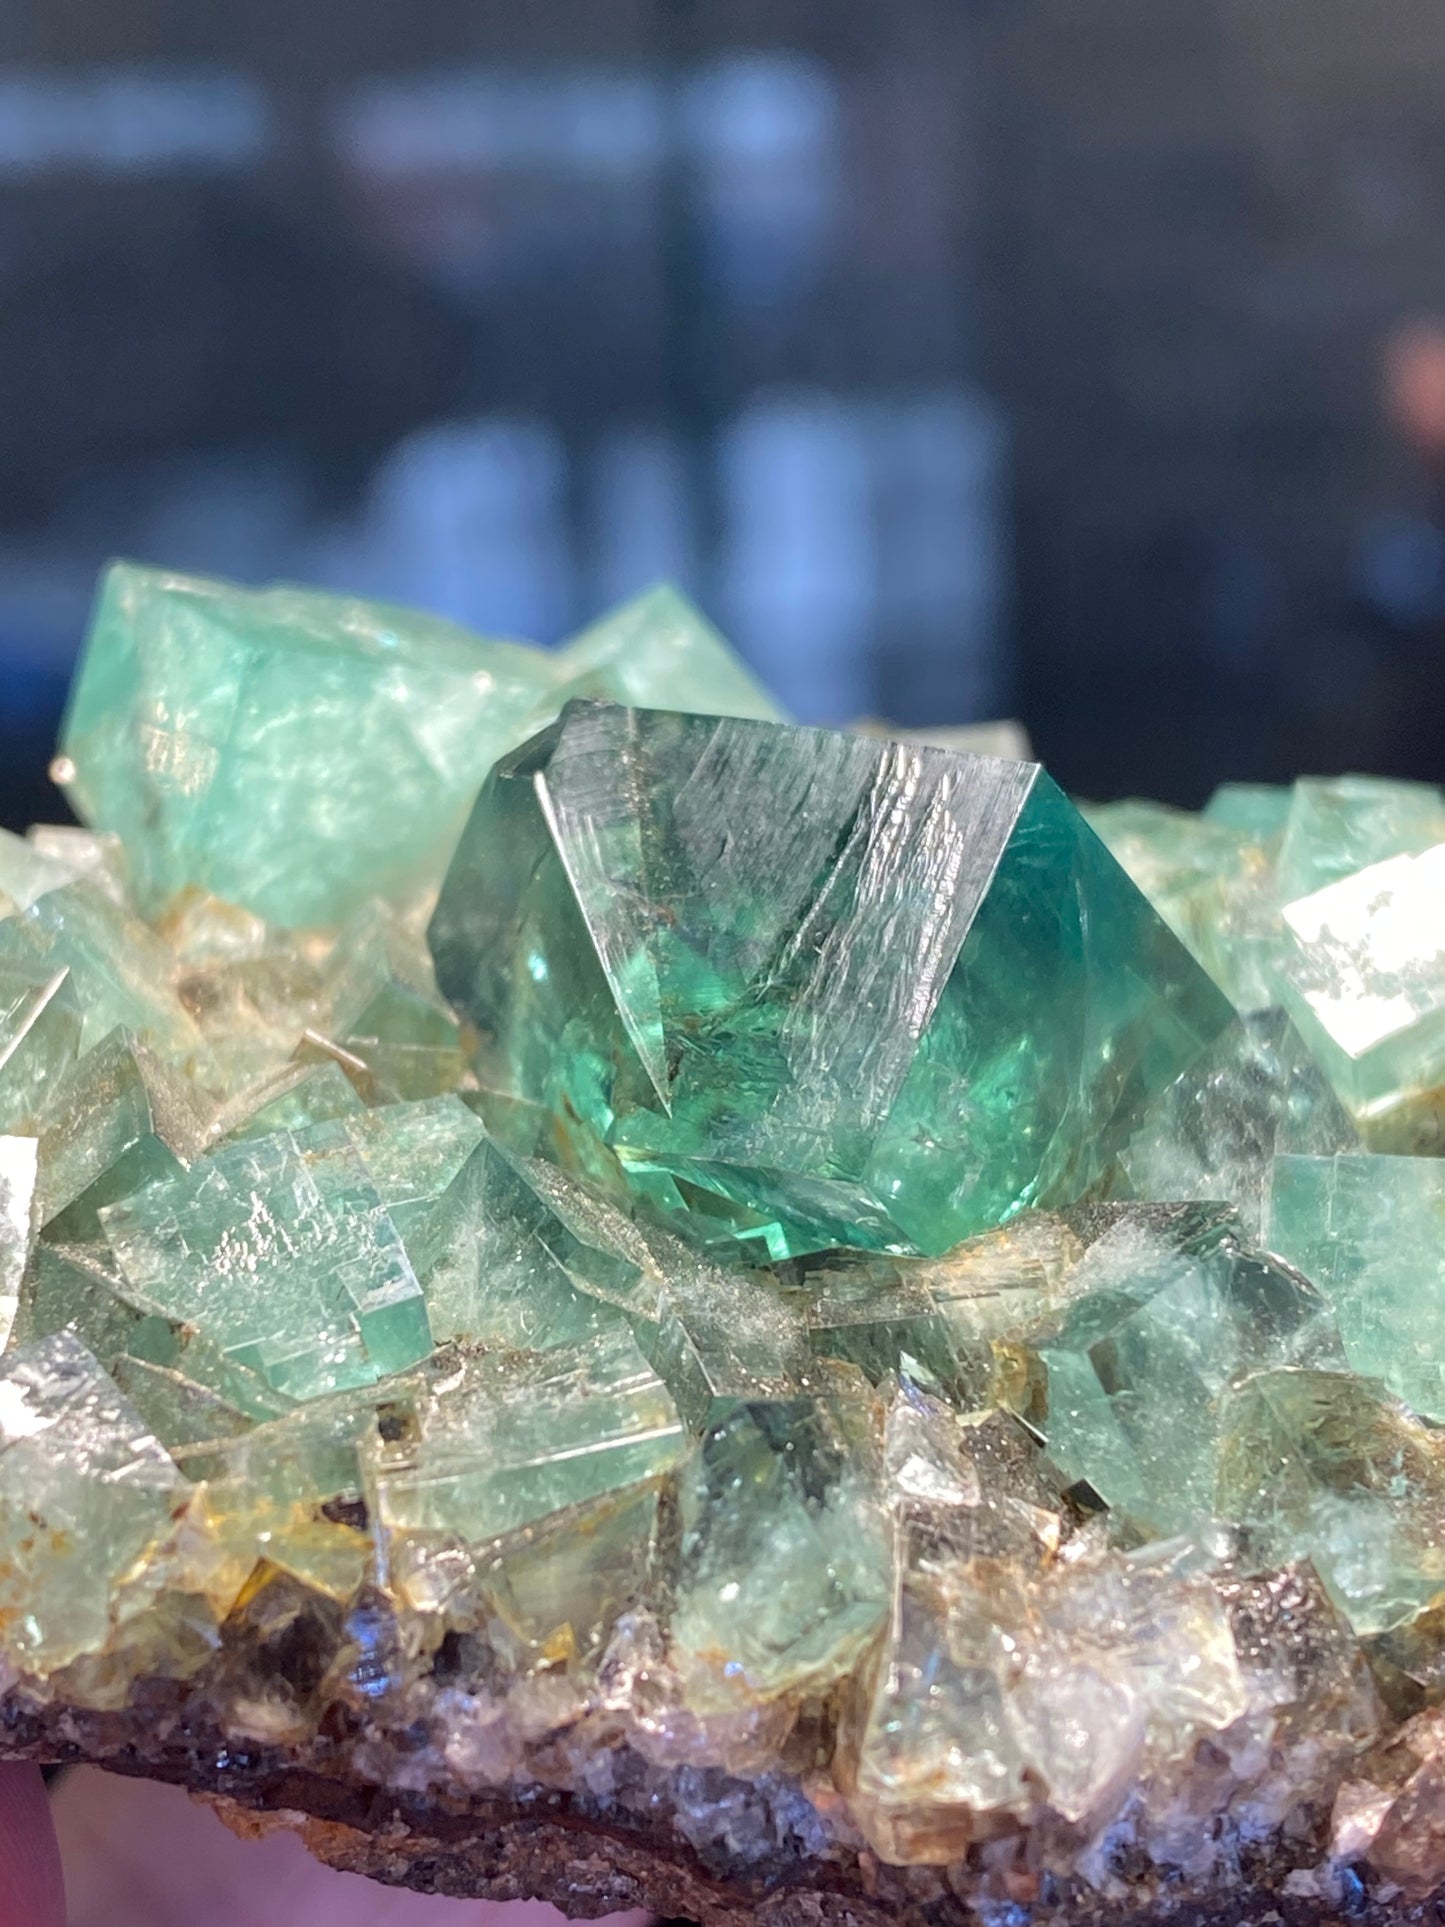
(778,1349)
(800,988)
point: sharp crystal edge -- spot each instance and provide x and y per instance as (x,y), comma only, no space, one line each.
(606,1297)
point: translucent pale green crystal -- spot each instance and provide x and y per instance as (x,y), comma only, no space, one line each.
(116,1121)
(1326,1466)
(882,1318)
(302,1096)
(413,1153)
(512,1439)
(1258,809)
(18,1223)
(84,1489)
(300,752)
(286,749)
(805,988)
(657,651)
(1165,1311)
(506,1269)
(782,1580)
(1214,884)
(284,1255)
(40,1024)
(77,1288)
(177,1409)
(560,1585)
(1215,1132)
(1340,825)
(1363,976)
(27,873)
(1370,1232)
(122,974)
(716,1338)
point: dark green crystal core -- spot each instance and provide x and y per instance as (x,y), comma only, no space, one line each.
(797,988)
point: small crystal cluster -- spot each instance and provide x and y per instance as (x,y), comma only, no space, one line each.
(565,1240)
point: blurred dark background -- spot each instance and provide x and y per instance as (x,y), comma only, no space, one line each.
(963,357)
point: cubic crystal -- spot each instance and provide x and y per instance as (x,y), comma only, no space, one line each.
(799,988)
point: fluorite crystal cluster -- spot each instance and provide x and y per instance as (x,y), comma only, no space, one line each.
(608,1297)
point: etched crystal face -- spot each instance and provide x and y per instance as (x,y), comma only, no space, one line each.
(802,988)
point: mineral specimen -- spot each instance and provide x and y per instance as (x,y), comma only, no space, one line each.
(653,1307)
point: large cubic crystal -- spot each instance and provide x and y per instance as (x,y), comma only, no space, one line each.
(801,988)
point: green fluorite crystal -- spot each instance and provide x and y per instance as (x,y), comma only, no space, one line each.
(1363,971)
(1370,1231)
(18,1171)
(507,1442)
(1335,828)
(799,1298)
(286,1255)
(1326,1466)
(785,1588)
(118,1119)
(297,752)
(40,1026)
(802,988)
(1166,1310)
(84,1490)
(658,652)
(1216,1131)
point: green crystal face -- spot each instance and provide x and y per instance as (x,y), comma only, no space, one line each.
(286,1254)
(299,752)
(836,1312)
(1363,975)
(1371,1232)
(1166,1310)
(503,1445)
(81,1480)
(799,988)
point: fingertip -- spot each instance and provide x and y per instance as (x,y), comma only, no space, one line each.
(32,1893)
